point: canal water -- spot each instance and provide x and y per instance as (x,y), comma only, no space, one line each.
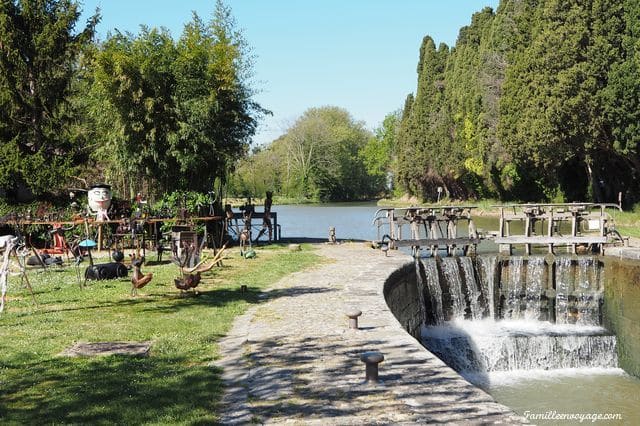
(353,221)
(544,396)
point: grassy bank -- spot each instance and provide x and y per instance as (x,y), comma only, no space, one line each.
(277,200)
(175,384)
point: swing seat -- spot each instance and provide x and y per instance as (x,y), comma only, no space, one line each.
(60,245)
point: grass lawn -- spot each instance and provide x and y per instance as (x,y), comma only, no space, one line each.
(175,384)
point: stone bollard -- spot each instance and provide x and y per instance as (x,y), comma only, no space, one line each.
(332,235)
(372,359)
(353,315)
(294,247)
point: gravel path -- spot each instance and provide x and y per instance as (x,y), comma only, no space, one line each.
(292,358)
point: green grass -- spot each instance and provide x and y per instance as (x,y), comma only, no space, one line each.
(175,384)
(628,222)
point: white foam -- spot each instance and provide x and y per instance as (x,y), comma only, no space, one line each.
(520,377)
(506,328)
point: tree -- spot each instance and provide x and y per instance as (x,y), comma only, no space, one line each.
(214,98)
(555,125)
(320,157)
(378,154)
(184,111)
(429,157)
(322,151)
(621,102)
(135,76)
(39,50)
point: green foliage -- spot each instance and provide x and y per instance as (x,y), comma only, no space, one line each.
(320,157)
(538,100)
(193,201)
(39,48)
(183,111)
(378,154)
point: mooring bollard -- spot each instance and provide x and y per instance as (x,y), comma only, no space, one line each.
(372,359)
(353,315)
(332,235)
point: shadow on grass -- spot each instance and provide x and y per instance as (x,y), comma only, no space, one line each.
(222,296)
(111,390)
(216,297)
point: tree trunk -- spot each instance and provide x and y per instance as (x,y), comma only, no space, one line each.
(595,183)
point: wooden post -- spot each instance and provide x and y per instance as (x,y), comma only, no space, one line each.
(527,232)
(574,229)
(550,229)
(392,234)
(100,236)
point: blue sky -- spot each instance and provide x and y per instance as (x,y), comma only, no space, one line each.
(360,55)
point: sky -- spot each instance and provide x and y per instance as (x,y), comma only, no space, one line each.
(360,55)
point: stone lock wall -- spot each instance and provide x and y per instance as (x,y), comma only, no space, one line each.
(622,310)
(401,295)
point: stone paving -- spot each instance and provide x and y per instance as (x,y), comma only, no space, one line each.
(292,358)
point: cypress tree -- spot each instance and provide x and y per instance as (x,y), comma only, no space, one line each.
(39,50)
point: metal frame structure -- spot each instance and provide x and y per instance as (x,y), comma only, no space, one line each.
(589,224)
(439,224)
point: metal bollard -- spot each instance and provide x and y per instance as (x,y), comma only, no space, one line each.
(243,288)
(372,359)
(353,318)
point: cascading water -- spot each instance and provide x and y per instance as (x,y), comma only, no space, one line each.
(473,292)
(513,337)
(534,287)
(564,283)
(421,297)
(432,281)
(512,277)
(451,272)
(589,291)
(487,266)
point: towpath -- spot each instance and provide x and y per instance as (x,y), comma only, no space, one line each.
(292,358)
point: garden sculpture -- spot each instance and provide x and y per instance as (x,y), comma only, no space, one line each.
(138,279)
(99,198)
(190,277)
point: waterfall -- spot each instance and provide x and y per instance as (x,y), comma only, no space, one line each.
(488,346)
(564,286)
(512,277)
(534,287)
(588,291)
(487,275)
(421,296)
(473,291)
(516,337)
(451,273)
(433,286)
